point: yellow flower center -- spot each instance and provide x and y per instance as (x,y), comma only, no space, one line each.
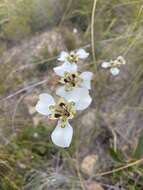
(63,110)
(73,58)
(71,80)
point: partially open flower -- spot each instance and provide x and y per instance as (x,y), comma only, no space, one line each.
(61,111)
(73,56)
(114,65)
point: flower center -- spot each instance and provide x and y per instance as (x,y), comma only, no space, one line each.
(73,58)
(118,62)
(63,110)
(71,80)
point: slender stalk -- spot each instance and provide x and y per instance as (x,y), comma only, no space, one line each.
(92,33)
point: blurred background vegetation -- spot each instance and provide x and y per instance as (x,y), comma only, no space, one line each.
(32,34)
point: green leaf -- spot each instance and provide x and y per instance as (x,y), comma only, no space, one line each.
(116,155)
(139,149)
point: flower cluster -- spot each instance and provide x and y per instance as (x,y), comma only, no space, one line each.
(73,94)
(114,65)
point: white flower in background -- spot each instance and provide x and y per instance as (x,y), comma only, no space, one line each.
(73,56)
(114,65)
(75,85)
(75,30)
(62,112)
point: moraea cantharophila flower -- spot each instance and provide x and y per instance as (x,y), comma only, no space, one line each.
(75,85)
(114,65)
(73,56)
(62,111)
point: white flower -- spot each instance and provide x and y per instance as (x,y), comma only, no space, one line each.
(114,65)
(80,96)
(75,85)
(73,56)
(70,77)
(62,111)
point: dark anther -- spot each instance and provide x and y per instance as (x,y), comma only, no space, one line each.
(73,75)
(61,104)
(57,115)
(65,80)
(67,114)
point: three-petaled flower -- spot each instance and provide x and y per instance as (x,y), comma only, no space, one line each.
(62,111)
(73,57)
(114,65)
(76,85)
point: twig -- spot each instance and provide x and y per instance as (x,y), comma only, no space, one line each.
(44,81)
(23,90)
(65,12)
(14,113)
(120,168)
(30,66)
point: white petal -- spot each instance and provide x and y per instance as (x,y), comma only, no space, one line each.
(121,60)
(82,100)
(42,106)
(106,64)
(66,67)
(80,96)
(86,76)
(63,56)
(60,91)
(82,54)
(114,71)
(62,137)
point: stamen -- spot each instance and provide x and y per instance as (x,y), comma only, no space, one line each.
(73,75)
(57,115)
(65,80)
(62,104)
(67,114)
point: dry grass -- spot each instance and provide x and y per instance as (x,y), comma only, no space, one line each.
(114,121)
